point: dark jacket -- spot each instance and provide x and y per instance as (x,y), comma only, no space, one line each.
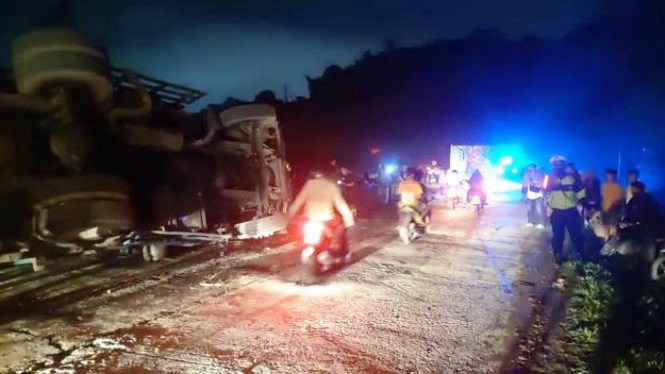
(643,209)
(476,180)
(592,187)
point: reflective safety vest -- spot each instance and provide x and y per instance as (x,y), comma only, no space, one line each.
(565,194)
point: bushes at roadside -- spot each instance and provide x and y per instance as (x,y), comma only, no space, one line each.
(640,361)
(647,340)
(611,323)
(591,300)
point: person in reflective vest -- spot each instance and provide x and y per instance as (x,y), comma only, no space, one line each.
(564,193)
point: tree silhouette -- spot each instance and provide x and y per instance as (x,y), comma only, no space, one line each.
(389,45)
(266,97)
(488,88)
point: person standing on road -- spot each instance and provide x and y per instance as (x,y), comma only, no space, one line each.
(633,176)
(533,185)
(593,193)
(386,182)
(564,194)
(477,187)
(612,198)
(643,216)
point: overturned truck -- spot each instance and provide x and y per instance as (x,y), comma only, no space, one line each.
(93,157)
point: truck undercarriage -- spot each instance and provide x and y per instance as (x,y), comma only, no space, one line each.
(93,157)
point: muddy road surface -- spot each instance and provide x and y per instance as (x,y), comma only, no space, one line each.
(448,303)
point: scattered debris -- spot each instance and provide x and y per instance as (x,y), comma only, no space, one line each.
(105,343)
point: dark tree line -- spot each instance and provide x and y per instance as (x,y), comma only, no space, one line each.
(602,86)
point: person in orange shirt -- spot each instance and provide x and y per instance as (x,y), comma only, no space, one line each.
(612,198)
(410,192)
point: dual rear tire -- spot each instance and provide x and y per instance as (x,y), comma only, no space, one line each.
(658,268)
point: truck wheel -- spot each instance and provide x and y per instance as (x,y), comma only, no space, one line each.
(81,209)
(658,269)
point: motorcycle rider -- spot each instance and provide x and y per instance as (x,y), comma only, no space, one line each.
(321,200)
(410,193)
(476,187)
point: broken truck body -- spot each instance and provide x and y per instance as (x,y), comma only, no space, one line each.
(95,157)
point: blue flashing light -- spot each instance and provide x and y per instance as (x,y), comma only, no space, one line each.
(515,171)
(390,169)
(505,161)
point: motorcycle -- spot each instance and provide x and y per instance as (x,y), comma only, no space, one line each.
(477,203)
(623,243)
(317,242)
(408,228)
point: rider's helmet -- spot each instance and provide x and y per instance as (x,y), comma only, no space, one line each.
(558,164)
(557,160)
(316,173)
(321,170)
(410,171)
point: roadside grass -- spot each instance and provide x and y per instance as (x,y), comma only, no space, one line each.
(614,322)
(590,301)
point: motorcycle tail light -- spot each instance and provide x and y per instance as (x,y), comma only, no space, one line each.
(312,232)
(309,251)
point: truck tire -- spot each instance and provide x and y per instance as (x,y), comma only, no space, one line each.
(658,269)
(81,209)
(48,57)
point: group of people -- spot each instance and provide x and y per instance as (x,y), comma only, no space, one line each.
(569,197)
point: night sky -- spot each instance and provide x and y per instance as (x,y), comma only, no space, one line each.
(239,47)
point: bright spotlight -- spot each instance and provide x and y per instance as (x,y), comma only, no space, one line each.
(506,160)
(390,169)
(499,169)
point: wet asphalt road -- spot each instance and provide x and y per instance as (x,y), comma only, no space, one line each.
(448,303)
